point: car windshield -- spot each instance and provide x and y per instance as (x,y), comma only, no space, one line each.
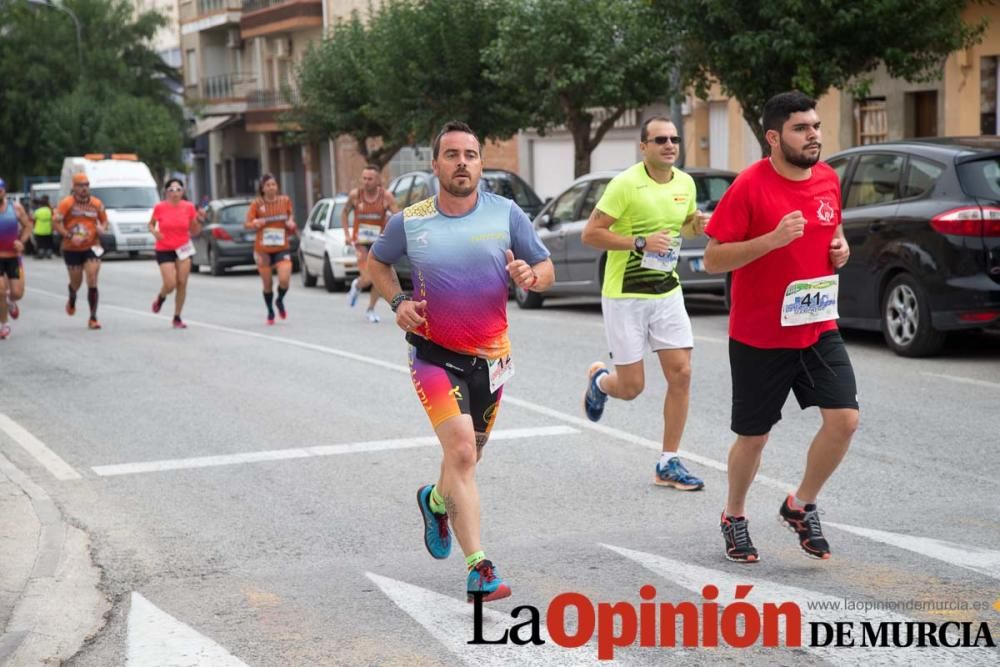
(512,188)
(338,210)
(981,178)
(710,189)
(234,215)
(126,197)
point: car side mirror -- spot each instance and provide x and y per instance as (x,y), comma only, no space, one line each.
(544,220)
(316,226)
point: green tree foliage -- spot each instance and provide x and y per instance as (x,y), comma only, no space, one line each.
(54,103)
(758,49)
(342,93)
(402,74)
(562,60)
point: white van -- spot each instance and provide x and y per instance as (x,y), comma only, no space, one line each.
(126,188)
(50,190)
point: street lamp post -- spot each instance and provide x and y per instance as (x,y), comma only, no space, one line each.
(76,22)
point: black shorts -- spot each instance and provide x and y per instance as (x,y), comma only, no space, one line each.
(820,375)
(448,392)
(10,267)
(166,256)
(78,257)
(272,258)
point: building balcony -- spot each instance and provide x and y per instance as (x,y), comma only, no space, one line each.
(197,15)
(268,17)
(265,109)
(224,93)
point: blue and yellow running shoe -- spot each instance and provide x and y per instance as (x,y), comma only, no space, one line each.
(437,537)
(484,578)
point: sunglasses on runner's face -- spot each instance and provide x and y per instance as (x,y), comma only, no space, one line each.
(662,140)
(175,188)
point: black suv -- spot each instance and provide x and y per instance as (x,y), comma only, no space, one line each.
(923,221)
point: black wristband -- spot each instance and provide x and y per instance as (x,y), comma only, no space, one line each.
(398,299)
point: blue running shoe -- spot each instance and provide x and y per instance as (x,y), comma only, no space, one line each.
(594,399)
(352,294)
(676,475)
(484,578)
(437,537)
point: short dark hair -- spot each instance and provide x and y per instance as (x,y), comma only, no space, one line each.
(454,126)
(779,108)
(372,167)
(644,130)
(264,178)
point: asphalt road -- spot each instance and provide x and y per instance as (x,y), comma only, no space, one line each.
(279,554)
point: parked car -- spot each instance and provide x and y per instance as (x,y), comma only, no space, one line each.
(580,268)
(922,218)
(224,242)
(415,186)
(323,251)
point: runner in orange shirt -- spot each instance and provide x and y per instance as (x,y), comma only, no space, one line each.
(80,218)
(271,216)
(371,205)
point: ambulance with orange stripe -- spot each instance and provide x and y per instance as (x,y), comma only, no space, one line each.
(127,188)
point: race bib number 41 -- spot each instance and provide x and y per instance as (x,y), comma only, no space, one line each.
(273,236)
(809,301)
(501,369)
(185,251)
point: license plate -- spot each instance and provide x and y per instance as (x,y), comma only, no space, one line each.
(697,265)
(249,237)
(131,242)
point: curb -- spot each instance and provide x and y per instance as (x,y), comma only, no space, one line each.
(60,604)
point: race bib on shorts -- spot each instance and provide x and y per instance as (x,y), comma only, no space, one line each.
(666,261)
(273,236)
(186,250)
(97,250)
(368,233)
(501,369)
(809,301)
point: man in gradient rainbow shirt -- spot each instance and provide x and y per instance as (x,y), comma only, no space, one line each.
(464,245)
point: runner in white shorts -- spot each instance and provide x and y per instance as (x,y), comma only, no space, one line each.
(639,220)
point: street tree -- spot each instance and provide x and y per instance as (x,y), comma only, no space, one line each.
(341,92)
(755,50)
(115,73)
(581,64)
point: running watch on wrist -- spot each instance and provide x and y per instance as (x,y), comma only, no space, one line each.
(640,243)
(398,299)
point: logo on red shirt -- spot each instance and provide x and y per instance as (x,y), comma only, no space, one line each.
(825,212)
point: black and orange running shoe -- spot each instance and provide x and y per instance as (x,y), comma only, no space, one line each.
(805,523)
(736,533)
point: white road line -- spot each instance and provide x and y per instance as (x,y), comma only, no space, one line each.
(307,452)
(45,456)
(963,380)
(972,558)
(450,622)
(579,422)
(694,578)
(157,639)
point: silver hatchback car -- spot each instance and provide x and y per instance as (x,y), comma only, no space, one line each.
(580,268)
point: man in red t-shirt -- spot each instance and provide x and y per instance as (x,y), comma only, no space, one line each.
(778,230)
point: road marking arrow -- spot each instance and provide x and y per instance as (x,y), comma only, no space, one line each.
(157,639)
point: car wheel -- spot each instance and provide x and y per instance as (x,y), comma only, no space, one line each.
(132,254)
(527,299)
(330,281)
(308,279)
(213,261)
(906,319)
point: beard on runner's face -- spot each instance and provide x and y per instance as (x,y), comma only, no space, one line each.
(454,189)
(799,158)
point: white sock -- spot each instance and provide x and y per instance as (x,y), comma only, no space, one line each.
(800,503)
(665,458)
(599,379)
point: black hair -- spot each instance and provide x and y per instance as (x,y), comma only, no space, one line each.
(454,126)
(372,167)
(779,108)
(644,130)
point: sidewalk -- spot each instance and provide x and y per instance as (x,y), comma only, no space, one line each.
(49,597)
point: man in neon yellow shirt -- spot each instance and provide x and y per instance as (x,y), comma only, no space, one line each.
(43,229)
(640,220)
